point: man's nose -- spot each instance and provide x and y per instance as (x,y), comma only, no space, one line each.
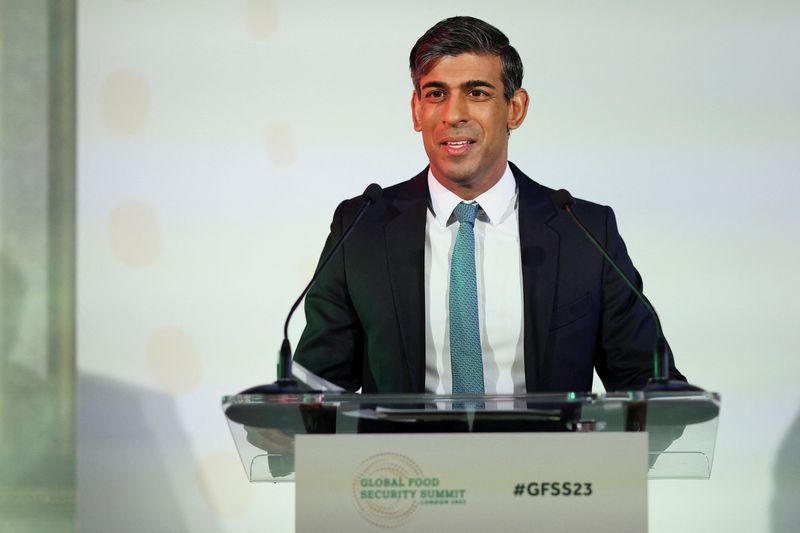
(456,111)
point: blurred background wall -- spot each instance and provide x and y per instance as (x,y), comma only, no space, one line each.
(37,265)
(214,140)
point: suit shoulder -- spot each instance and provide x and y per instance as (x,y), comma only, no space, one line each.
(592,208)
(540,199)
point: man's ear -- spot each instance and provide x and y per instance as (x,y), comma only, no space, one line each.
(517,109)
(416,111)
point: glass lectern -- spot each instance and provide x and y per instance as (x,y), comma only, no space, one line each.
(682,426)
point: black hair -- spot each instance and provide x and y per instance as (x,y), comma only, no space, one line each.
(459,35)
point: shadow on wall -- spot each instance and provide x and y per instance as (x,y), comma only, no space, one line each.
(786,496)
(135,467)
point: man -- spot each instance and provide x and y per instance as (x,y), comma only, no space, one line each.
(467,278)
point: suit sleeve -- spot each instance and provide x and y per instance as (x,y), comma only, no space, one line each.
(331,345)
(624,351)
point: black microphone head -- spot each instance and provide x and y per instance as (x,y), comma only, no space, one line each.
(563,199)
(372,193)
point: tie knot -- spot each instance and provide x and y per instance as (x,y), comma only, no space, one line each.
(465,212)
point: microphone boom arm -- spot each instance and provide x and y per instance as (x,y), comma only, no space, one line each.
(661,349)
(285,357)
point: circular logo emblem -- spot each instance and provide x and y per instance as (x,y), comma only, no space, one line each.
(380,489)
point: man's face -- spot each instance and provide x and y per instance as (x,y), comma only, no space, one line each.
(464,119)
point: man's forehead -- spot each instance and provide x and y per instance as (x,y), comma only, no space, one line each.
(463,67)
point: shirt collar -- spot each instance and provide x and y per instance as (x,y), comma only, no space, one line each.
(496,203)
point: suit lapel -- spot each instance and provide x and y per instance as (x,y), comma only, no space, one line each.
(539,254)
(405,251)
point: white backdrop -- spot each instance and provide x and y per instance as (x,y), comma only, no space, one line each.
(217,137)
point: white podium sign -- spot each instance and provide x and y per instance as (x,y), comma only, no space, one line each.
(543,482)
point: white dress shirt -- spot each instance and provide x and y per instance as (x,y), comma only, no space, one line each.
(499,272)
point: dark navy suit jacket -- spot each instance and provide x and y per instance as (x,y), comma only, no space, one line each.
(366,314)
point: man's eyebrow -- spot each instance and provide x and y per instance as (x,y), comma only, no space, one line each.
(471,84)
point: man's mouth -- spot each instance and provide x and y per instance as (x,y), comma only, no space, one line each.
(457,146)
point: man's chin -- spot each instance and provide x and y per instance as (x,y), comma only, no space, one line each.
(459,175)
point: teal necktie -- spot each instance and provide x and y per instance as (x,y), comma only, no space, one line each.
(466,360)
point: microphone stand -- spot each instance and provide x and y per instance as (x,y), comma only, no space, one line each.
(661,352)
(286,384)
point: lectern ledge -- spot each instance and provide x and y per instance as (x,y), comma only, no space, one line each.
(681,426)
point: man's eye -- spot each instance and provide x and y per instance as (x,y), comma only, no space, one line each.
(435,94)
(477,93)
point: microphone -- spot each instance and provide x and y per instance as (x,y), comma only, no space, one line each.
(285,382)
(661,351)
